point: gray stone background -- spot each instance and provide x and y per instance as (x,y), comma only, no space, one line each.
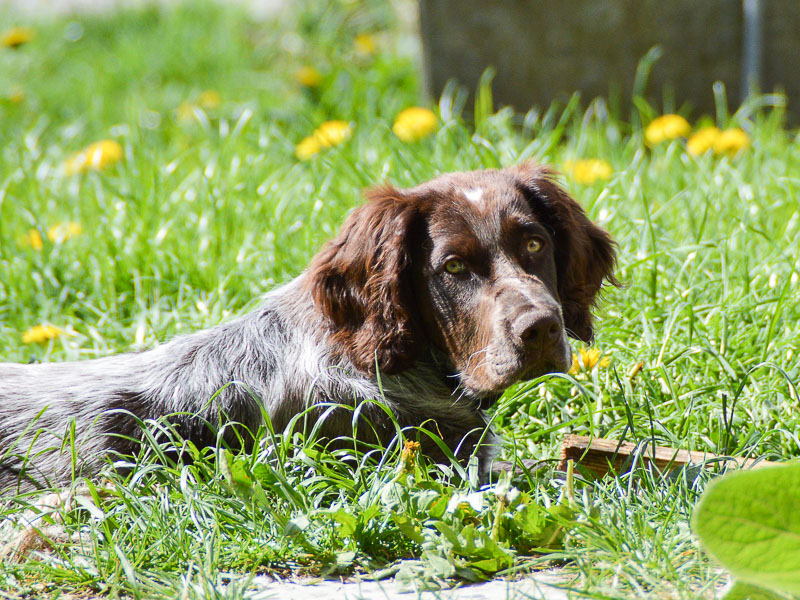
(544,50)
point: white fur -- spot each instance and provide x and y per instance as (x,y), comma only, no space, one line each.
(474,195)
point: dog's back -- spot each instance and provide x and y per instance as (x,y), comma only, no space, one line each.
(199,378)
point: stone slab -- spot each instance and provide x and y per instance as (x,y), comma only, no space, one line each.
(539,586)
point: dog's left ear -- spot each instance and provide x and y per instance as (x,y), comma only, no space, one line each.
(585,254)
(361,282)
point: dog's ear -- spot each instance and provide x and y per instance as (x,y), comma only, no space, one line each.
(361,282)
(585,254)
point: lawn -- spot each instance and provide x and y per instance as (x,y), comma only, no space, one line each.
(204,205)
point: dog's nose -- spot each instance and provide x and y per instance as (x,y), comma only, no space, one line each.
(537,328)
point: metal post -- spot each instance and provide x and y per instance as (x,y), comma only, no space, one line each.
(752,44)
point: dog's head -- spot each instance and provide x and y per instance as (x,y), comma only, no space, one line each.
(492,268)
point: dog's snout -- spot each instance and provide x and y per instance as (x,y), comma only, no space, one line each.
(537,328)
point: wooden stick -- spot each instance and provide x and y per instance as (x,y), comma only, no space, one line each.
(601,456)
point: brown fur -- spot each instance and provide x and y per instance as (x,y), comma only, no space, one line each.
(368,281)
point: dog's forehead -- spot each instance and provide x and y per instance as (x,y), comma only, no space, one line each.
(474,186)
(475,208)
(481,200)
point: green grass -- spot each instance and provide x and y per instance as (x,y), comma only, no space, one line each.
(204,215)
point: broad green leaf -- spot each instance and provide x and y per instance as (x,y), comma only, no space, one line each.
(296,525)
(436,510)
(441,566)
(345,559)
(745,591)
(235,471)
(750,522)
(406,525)
(450,534)
(370,512)
(490,565)
(347,521)
(264,475)
(260,497)
(473,575)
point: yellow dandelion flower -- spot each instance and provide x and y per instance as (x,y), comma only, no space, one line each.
(333,133)
(95,156)
(587,359)
(307,148)
(731,141)
(33,239)
(330,133)
(415,123)
(41,333)
(185,111)
(308,77)
(589,170)
(666,127)
(209,99)
(61,232)
(16,37)
(365,44)
(702,140)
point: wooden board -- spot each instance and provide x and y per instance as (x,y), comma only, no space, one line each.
(601,456)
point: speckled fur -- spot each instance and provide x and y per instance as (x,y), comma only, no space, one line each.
(276,355)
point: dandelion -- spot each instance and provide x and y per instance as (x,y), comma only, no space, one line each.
(333,133)
(330,133)
(209,99)
(365,44)
(415,123)
(308,77)
(666,127)
(589,170)
(185,111)
(61,232)
(307,148)
(41,333)
(206,100)
(587,359)
(731,141)
(16,37)
(58,233)
(96,156)
(702,140)
(409,456)
(33,239)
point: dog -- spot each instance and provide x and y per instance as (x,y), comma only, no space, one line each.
(432,299)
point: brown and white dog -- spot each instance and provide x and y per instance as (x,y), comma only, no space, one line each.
(433,300)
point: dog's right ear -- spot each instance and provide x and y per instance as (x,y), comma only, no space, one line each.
(585,253)
(361,283)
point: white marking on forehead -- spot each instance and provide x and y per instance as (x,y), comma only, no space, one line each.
(474,195)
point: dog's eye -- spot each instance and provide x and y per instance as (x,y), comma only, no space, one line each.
(455,266)
(534,245)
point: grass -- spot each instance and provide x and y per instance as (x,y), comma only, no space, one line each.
(207,211)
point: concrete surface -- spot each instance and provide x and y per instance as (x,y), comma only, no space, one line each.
(540,586)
